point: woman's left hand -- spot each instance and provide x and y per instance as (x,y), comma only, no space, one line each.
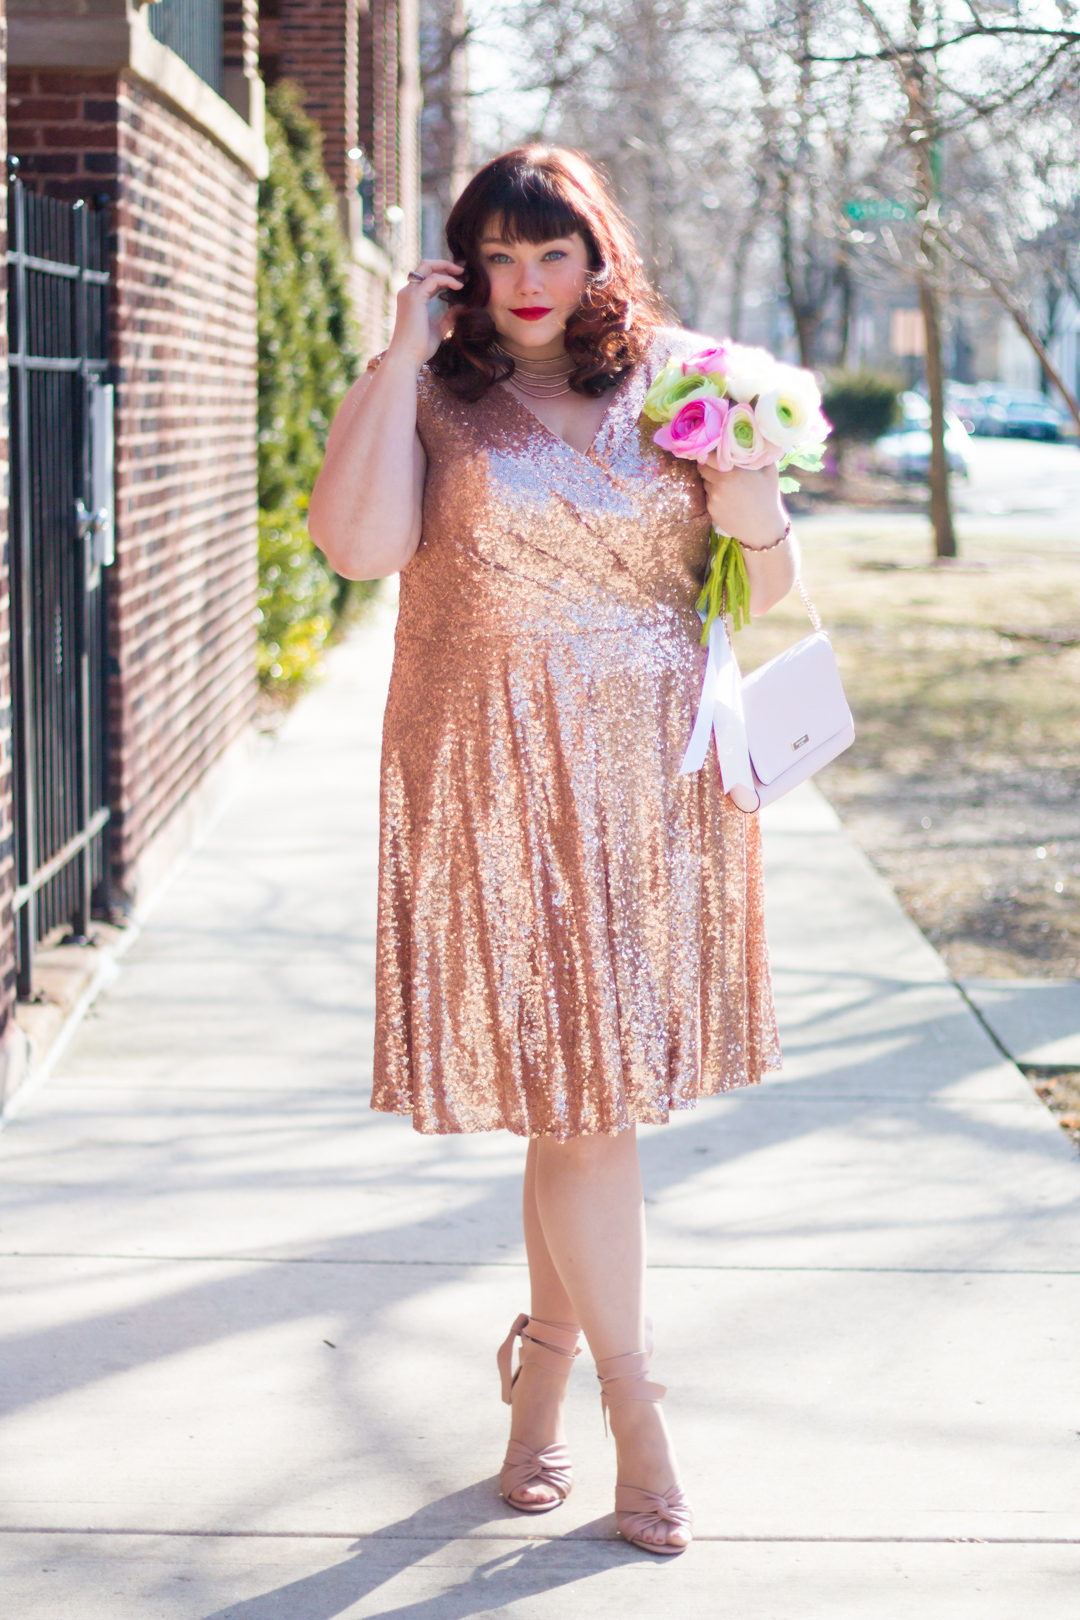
(747,504)
(744,503)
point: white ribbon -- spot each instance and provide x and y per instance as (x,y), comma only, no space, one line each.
(720,714)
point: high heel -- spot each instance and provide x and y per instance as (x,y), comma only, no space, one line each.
(623,1378)
(554,1347)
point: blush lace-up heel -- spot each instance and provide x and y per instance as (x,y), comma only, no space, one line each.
(623,1378)
(553,1347)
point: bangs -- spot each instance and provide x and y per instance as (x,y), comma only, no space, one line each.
(528,207)
(541,194)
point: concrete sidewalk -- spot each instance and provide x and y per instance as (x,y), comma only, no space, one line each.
(249,1328)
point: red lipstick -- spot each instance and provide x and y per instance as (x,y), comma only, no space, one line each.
(533,313)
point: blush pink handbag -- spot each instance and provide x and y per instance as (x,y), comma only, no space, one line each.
(777,727)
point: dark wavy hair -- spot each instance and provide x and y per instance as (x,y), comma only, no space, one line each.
(535,194)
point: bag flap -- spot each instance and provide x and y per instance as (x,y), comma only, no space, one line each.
(793,704)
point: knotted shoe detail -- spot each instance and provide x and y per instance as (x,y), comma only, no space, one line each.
(624,1378)
(637,1511)
(553,1346)
(550,1467)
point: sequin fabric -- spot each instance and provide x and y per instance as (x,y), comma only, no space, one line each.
(570,934)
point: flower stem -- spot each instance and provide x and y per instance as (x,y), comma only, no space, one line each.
(726,588)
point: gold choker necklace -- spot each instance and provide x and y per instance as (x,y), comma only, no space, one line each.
(540,379)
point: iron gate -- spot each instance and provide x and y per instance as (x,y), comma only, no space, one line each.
(61,537)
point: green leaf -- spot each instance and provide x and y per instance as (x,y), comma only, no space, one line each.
(810,459)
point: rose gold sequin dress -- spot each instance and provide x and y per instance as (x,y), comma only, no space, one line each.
(570,934)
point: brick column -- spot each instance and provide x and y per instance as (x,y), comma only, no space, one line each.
(316,45)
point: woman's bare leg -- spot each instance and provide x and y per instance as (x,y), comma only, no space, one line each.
(536,1412)
(548,1298)
(591,1215)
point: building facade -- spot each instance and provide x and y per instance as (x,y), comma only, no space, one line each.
(140,125)
(356,62)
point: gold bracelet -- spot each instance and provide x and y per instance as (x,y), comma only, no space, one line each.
(772,545)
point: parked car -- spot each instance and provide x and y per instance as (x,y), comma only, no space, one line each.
(904,452)
(1007,413)
(1032,418)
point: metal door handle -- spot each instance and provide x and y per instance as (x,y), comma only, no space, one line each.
(97,523)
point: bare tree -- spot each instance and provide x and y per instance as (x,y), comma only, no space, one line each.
(740,131)
(955,70)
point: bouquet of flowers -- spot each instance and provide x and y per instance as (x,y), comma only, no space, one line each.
(734,406)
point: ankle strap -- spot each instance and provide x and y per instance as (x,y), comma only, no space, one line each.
(623,1378)
(560,1336)
(553,1345)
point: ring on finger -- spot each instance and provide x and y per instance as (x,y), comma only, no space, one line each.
(416,275)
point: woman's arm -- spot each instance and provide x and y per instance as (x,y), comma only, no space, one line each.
(366,505)
(748,505)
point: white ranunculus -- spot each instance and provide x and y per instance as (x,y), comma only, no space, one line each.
(789,410)
(750,371)
(743,357)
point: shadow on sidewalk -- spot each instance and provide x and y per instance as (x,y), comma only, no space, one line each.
(269,1286)
(516,1572)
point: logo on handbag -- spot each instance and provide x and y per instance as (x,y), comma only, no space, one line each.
(801,740)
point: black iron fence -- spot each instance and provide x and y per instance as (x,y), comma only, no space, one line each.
(191,28)
(61,538)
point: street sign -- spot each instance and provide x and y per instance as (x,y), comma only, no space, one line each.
(873,210)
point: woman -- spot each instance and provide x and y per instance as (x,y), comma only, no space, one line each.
(570,933)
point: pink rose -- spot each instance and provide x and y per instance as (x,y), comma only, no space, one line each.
(707,361)
(694,429)
(741,443)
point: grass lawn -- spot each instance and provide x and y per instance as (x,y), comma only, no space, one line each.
(962,785)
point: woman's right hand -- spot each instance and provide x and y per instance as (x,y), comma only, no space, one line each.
(421,323)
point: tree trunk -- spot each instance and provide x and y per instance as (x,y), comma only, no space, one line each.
(805,323)
(920,103)
(941,518)
(847,304)
(738,274)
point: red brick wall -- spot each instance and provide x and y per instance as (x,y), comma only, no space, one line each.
(7,861)
(182,589)
(315,44)
(62,127)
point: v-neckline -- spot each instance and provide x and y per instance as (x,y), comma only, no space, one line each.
(618,395)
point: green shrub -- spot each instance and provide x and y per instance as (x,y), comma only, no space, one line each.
(308,343)
(861,405)
(296,600)
(308,356)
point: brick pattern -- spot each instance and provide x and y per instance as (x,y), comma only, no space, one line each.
(182,589)
(7,852)
(316,44)
(62,128)
(183,586)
